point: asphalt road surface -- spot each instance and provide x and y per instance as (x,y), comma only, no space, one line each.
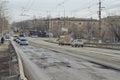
(48,61)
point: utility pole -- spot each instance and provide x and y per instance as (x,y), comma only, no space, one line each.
(100,8)
(34,22)
(91,29)
(49,23)
(64,25)
(64,16)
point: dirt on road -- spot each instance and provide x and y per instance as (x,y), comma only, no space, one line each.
(4,60)
(8,62)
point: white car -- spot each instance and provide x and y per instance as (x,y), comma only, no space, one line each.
(77,43)
(23,42)
(18,39)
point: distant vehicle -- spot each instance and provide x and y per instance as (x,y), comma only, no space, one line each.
(49,34)
(43,34)
(22,35)
(23,42)
(65,40)
(33,33)
(7,36)
(77,43)
(39,33)
(34,36)
(18,39)
(14,37)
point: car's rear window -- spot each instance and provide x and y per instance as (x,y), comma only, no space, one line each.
(23,40)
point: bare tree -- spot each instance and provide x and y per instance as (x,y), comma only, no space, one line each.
(3,19)
(115,27)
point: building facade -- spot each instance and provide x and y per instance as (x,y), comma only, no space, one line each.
(77,26)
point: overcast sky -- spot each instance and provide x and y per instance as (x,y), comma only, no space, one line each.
(27,9)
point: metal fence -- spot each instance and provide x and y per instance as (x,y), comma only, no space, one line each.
(96,45)
(104,45)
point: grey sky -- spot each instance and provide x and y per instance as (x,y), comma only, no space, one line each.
(76,8)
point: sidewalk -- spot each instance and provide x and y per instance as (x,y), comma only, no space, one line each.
(4,58)
(5,46)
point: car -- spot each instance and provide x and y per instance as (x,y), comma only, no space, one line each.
(77,43)
(23,42)
(14,37)
(7,36)
(34,36)
(22,34)
(17,39)
(65,40)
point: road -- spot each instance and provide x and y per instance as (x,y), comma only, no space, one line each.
(48,61)
(104,56)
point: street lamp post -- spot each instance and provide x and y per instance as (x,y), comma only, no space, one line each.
(64,14)
(22,23)
(49,24)
(63,17)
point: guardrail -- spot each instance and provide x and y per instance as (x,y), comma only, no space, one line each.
(97,45)
(103,45)
(20,64)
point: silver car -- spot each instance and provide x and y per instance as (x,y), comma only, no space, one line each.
(77,43)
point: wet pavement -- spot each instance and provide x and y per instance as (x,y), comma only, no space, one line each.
(59,66)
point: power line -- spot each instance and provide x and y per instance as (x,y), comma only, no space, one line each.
(108,8)
(90,6)
(113,6)
(28,2)
(59,4)
(100,22)
(31,4)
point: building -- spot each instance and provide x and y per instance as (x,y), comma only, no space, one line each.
(77,26)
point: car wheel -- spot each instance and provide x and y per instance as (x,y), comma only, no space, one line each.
(75,45)
(82,46)
(59,44)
